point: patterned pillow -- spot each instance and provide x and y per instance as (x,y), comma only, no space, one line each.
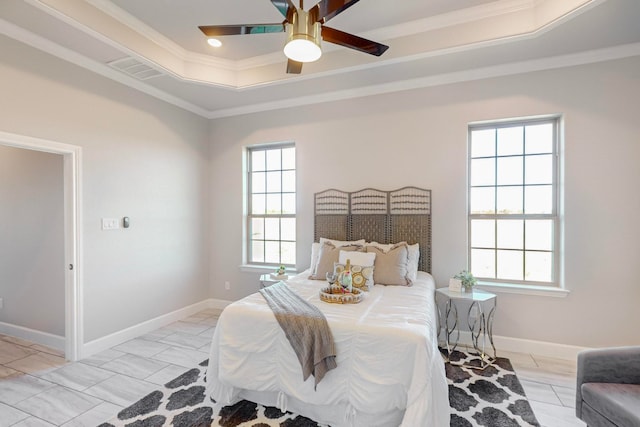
(361,277)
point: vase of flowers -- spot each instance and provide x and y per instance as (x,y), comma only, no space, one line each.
(467,279)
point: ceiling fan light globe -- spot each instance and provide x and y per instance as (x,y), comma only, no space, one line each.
(214,42)
(302,50)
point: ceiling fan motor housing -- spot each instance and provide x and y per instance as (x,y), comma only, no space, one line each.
(303,37)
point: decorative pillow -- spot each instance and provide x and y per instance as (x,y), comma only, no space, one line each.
(361,277)
(384,247)
(328,255)
(358,258)
(414,256)
(315,250)
(414,260)
(342,242)
(392,267)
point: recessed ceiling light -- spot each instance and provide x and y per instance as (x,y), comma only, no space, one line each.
(214,42)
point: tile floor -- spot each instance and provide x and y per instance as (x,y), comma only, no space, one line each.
(39,388)
(550,387)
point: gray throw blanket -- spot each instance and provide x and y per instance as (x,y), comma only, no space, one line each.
(305,327)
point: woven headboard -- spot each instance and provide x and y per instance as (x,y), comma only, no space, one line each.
(402,215)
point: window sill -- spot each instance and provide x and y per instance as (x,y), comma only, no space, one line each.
(541,291)
(262,269)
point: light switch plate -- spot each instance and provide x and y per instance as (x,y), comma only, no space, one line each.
(109,223)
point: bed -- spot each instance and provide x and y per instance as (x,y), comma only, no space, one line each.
(390,372)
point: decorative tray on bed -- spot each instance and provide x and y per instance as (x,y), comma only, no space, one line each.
(335,295)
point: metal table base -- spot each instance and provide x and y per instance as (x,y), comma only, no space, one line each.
(481,328)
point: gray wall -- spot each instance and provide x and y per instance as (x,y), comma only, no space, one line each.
(141,158)
(32,239)
(419,138)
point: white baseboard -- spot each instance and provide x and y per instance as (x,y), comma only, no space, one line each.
(116,338)
(218,303)
(519,345)
(44,338)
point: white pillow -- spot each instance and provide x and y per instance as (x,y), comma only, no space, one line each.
(414,260)
(315,252)
(365,259)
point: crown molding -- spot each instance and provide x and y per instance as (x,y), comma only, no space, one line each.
(450,19)
(20,34)
(591,56)
(549,63)
(50,47)
(148,32)
(418,26)
(515,5)
(140,27)
(457,17)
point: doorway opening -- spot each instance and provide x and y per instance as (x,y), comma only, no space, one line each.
(72,232)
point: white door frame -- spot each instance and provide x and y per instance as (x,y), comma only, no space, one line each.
(73,327)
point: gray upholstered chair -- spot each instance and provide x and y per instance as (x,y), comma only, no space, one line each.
(608,387)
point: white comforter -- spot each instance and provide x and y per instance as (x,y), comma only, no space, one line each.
(387,355)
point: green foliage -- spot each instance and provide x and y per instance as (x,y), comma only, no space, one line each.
(467,279)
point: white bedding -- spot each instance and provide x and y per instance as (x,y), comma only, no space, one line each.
(389,373)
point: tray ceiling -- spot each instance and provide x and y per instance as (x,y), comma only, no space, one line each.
(431,42)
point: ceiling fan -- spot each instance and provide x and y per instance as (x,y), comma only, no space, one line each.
(304,30)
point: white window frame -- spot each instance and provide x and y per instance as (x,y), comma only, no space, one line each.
(555,286)
(249,212)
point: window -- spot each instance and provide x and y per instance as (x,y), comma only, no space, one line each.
(513,208)
(271,219)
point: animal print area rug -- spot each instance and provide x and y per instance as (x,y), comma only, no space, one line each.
(492,397)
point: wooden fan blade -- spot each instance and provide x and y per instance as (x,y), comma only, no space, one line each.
(332,35)
(232,30)
(327,9)
(294,67)
(286,7)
